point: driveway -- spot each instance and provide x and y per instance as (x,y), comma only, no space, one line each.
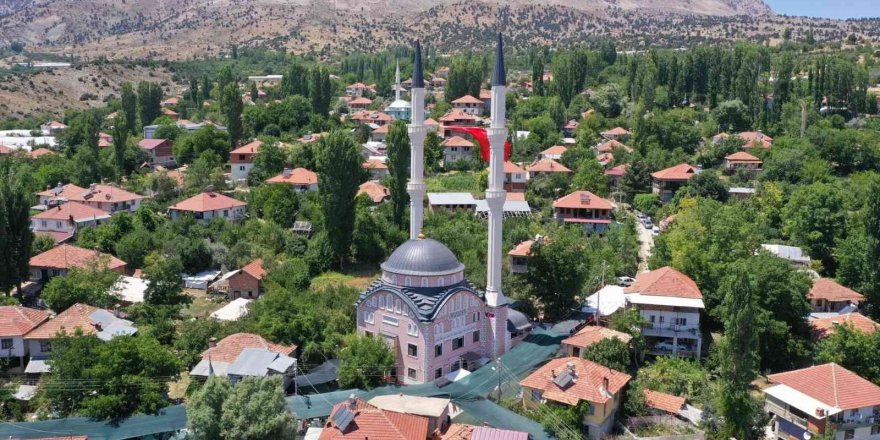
(646,245)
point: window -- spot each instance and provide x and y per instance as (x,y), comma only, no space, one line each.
(440,282)
(225,213)
(455,366)
(458,343)
(591,410)
(407,281)
(389,303)
(390,320)
(368,316)
(381,302)
(424,281)
(652,318)
(412,329)
(43,223)
(412,350)
(537,395)
(438,373)
(397,306)
(45,346)
(477,336)
(58,225)
(438,350)
(681,321)
(411,373)
(662,318)
(6,344)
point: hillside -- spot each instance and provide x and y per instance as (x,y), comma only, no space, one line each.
(166,29)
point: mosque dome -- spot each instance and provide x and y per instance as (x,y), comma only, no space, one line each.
(399,104)
(423,257)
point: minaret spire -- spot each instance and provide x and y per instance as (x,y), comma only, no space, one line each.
(495,197)
(417,132)
(397,82)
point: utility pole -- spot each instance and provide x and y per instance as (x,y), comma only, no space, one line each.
(498,371)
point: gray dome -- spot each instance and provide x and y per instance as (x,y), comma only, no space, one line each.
(422,257)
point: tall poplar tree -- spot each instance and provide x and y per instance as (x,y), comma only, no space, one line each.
(232,106)
(399,168)
(129,107)
(120,140)
(339,176)
(15,230)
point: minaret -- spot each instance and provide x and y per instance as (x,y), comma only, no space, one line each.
(495,197)
(397,83)
(417,132)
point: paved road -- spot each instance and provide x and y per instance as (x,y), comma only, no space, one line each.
(646,245)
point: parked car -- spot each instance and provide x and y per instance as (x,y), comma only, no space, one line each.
(648,223)
(625,281)
(655,230)
(665,346)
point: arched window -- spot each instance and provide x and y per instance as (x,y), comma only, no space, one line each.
(389,303)
(393,279)
(440,282)
(407,281)
(381,302)
(424,281)
(397,305)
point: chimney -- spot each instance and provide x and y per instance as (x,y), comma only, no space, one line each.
(553,372)
(212,342)
(286,173)
(352,401)
(92,186)
(585,198)
(97,326)
(605,383)
(820,412)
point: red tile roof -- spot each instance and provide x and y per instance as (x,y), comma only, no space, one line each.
(664,402)
(512,168)
(582,200)
(207,201)
(297,176)
(228,348)
(360,101)
(71,210)
(824,327)
(76,316)
(255,269)
(149,144)
(756,139)
(467,99)
(681,171)
(18,320)
(830,290)
(56,236)
(547,166)
(556,150)
(371,115)
(665,281)
(374,190)
(430,122)
(617,171)
(607,147)
(104,193)
(515,197)
(457,115)
(375,424)
(588,385)
(593,334)
(66,191)
(742,156)
(832,385)
(523,249)
(4,150)
(616,131)
(39,152)
(67,256)
(457,141)
(383,129)
(457,431)
(252,147)
(374,164)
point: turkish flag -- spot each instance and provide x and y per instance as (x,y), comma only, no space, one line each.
(479,134)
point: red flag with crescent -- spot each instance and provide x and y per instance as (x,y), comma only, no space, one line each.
(479,134)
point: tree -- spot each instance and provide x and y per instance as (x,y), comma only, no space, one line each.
(269,161)
(556,271)
(255,93)
(398,169)
(738,355)
(15,234)
(339,167)
(433,151)
(149,99)
(111,369)
(191,146)
(91,285)
(813,217)
(194,95)
(590,176)
(129,107)
(164,282)
(637,179)
(120,143)
(232,106)
(205,409)
(854,350)
(206,87)
(732,116)
(296,81)
(276,203)
(255,410)
(706,184)
(612,353)
(365,361)
(320,90)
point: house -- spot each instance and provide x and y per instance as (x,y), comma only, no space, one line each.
(88,319)
(570,127)
(15,323)
(741,161)
(542,167)
(159,151)
(827,295)
(171,114)
(52,128)
(669,302)
(605,159)
(170,102)
(60,259)
(486,97)
(741,192)
(377,168)
(373,117)
(243,355)
(432,125)
(591,335)
(615,133)
(451,201)
(209,205)
(586,208)
(616,174)
(822,399)
(457,431)
(380,133)
(611,145)
(61,222)
(468,104)
(667,181)
(456,148)
(520,254)
(104,140)
(360,103)
(515,205)
(572,380)
(456,118)
(357,419)
(374,191)
(435,409)
(104,197)
(515,178)
(824,327)
(755,139)
(664,403)
(247,281)
(302,179)
(553,153)
(793,254)
(59,194)
(242,160)
(360,89)
(40,152)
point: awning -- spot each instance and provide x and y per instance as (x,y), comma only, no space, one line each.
(517,321)
(600,221)
(37,366)
(799,400)
(458,375)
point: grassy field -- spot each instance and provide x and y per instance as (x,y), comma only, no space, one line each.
(454,182)
(202,304)
(359,277)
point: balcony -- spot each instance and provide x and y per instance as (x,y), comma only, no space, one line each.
(854,422)
(671,330)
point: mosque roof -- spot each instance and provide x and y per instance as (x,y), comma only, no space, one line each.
(425,301)
(422,257)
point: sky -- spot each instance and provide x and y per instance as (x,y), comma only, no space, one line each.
(827,8)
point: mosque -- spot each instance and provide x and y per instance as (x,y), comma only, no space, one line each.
(400,108)
(430,314)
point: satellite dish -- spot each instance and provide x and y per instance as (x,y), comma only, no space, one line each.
(807,436)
